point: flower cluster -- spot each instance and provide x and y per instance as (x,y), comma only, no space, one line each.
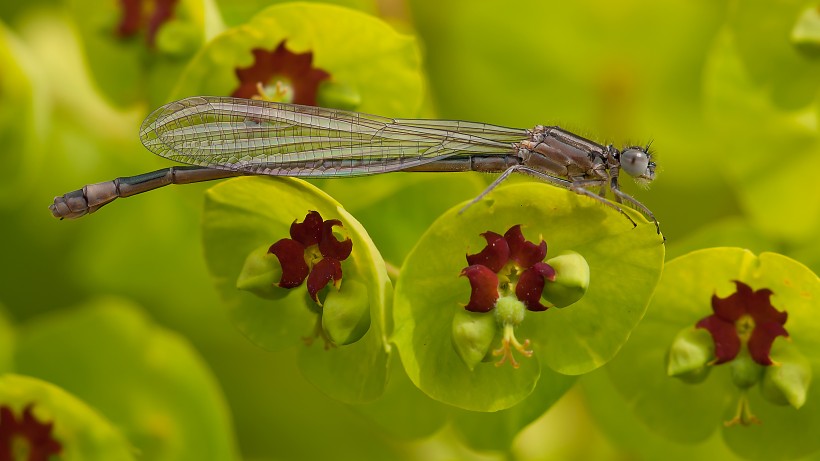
(740,333)
(509,277)
(745,318)
(26,438)
(312,253)
(508,264)
(281,76)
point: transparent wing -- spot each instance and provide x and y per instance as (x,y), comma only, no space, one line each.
(261,137)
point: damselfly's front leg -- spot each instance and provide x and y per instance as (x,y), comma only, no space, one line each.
(579,187)
(624,196)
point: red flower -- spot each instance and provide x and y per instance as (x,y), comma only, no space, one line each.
(134,17)
(34,436)
(508,263)
(280,68)
(744,318)
(312,252)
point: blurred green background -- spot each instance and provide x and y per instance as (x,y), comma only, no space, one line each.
(726,91)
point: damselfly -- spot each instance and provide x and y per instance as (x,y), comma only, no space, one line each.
(225,137)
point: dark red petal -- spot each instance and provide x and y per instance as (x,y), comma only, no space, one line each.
(724,334)
(759,306)
(531,285)
(494,255)
(37,435)
(734,305)
(323,272)
(309,231)
(760,343)
(291,255)
(131,17)
(484,285)
(163,10)
(329,246)
(523,252)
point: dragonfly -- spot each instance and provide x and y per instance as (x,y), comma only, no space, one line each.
(221,137)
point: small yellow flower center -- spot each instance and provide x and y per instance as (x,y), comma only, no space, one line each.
(744,327)
(312,256)
(277,90)
(20,448)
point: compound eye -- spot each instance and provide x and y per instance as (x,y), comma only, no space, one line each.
(634,161)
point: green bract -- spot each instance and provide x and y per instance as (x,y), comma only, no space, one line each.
(129,69)
(624,264)
(146,380)
(245,214)
(20,121)
(740,91)
(359,52)
(6,342)
(82,432)
(415,200)
(692,412)
(791,79)
(234,13)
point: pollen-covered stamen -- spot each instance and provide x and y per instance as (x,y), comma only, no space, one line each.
(743,414)
(508,343)
(279,91)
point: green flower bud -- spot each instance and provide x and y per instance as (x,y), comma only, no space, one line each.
(690,354)
(338,95)
(745,371)
(261,274)
(806,32)
(571,279)
(346,313)
(787,381)
(473,334)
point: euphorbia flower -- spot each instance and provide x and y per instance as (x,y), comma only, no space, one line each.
(282,76)
(25,438)
(312,253)
(745,318)
(508,264)
(135,16)
(509,272)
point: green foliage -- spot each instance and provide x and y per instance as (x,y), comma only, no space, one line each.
(83,433)
(728,91)
(147,381)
